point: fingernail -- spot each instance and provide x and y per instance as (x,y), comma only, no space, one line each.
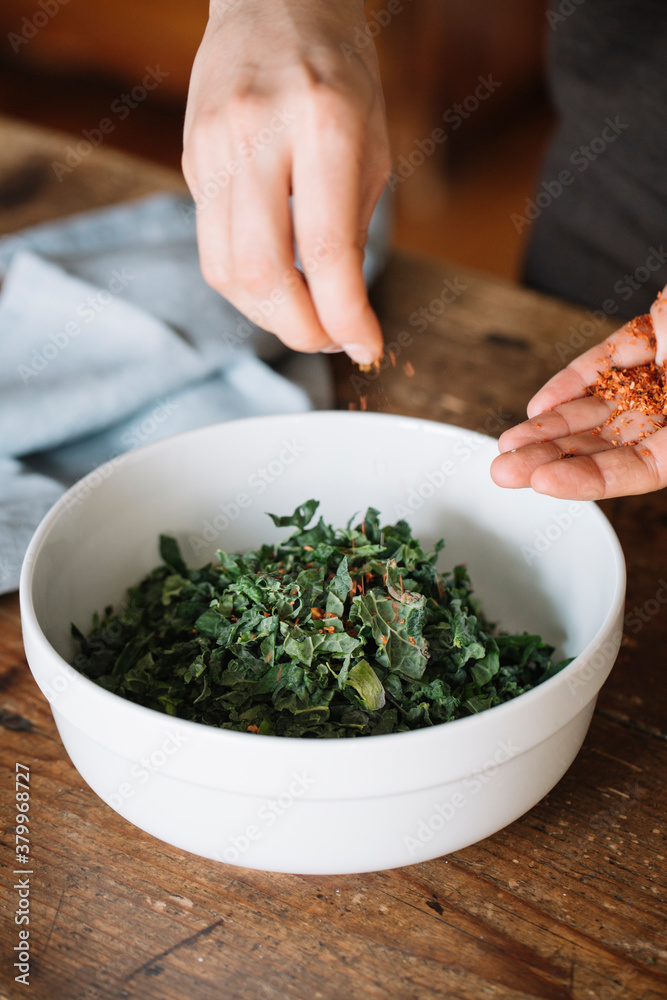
(360,354)
(334,349)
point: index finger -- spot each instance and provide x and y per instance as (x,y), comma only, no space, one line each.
(633,344)
(331,214)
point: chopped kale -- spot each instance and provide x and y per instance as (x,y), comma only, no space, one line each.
(330,633)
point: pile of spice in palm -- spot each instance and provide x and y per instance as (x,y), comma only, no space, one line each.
(642,388)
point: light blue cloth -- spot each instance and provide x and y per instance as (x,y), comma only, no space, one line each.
(110,339)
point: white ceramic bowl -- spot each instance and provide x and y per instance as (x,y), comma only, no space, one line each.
(324,806)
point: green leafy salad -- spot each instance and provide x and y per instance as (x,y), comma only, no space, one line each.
(329,633)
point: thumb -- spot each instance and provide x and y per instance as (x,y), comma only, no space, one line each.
(659,317)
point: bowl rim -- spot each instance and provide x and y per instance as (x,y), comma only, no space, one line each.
(467,724)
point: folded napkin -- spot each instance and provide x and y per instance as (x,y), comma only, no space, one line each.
(110,339)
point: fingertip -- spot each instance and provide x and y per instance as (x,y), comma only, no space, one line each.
(541,401)
(360,337)
(504,472)
(361,354)
(496,472)
(506,440)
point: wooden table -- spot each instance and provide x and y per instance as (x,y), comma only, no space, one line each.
(568,902)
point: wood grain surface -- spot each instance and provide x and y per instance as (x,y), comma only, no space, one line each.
(568,903)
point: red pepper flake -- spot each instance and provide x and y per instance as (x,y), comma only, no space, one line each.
(384,639)
(645,451)
(308,548)
(641,328)
(408,369)
(412,641)
(570,453)
(327,628)
(640,388)
(317,613)
(253,729)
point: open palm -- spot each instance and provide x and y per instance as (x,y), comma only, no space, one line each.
(624,456)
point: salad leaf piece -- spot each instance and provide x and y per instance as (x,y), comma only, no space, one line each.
(366,683)
(330,633)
